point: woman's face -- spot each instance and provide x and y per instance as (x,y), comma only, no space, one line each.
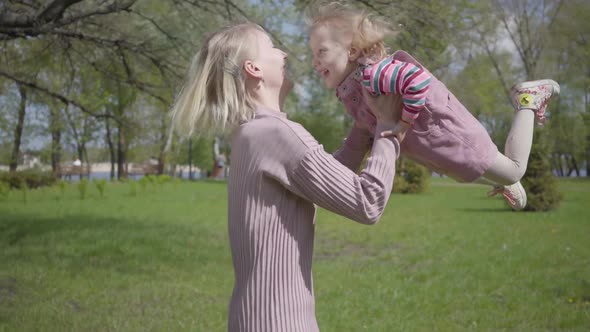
(330,50)
(271,60)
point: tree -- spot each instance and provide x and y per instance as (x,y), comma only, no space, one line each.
(525,24)
(18,130)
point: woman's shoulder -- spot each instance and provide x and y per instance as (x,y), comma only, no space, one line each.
(273,130)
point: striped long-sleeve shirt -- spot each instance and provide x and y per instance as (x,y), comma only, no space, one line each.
(404,78)
(279,171)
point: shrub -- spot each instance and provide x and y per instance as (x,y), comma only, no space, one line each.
(410,177)
(100,186)
(32,178)
(539,182)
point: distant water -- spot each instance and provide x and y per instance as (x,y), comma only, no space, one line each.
(107,176)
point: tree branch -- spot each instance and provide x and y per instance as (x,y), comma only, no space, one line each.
(52,94)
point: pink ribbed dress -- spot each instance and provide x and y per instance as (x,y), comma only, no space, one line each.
(278,172)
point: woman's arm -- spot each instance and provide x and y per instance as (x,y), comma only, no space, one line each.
(354,148)
(303,167)
(321,179)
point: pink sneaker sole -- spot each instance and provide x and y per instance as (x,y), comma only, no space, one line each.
(555,89)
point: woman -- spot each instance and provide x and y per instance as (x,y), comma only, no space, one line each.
(279,171)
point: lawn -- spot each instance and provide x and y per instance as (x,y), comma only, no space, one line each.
(157,259)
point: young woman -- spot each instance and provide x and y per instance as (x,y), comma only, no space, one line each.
(278,172)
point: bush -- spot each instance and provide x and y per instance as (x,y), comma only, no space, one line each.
(410,177)
(31,177)
(539,183)
(100,186)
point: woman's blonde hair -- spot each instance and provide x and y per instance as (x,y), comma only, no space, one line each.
(368,30)
(214,98)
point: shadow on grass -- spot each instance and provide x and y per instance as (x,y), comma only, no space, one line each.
(487,210)
(80,242)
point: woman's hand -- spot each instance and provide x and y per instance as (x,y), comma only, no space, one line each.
(387,109)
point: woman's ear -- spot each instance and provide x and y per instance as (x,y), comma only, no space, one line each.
(252,69)
(353,53)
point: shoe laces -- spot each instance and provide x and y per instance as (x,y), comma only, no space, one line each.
(505,192)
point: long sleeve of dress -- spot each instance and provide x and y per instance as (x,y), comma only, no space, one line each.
(307,170)
(354,148)
(404,78)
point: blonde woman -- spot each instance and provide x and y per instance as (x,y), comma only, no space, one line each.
(279,171)
(349,54)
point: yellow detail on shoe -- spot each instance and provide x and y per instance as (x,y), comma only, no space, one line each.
(525,99)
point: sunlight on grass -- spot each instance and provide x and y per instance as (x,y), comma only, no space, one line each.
(158,259)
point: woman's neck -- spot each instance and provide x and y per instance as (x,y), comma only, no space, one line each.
(267,99)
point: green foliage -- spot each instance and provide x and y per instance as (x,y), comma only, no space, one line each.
(82,188)
(325,118)
(143,182)
(201,153)
(32,178)
(132,188)
(100,186)
(4,190)
(163,178)
(25,192)
(410,178)
(539,183)
(62,187)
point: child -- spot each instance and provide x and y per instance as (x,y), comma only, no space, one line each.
(278,172)
(440,133)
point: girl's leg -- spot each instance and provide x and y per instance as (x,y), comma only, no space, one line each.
(510,167)
(486,182)
(530,100)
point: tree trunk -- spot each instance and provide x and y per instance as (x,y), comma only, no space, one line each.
(111,148)
(56,149)
(163,138)
(121,163)
(18,131)
(574,166)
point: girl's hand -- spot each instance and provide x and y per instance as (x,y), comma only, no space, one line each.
(398,131)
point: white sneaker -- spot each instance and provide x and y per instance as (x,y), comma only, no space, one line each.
(514,194)
(534,95)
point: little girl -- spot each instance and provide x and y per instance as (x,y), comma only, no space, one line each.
(440,133)
(278,173)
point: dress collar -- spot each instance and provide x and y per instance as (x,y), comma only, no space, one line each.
(354,78)
(262,111)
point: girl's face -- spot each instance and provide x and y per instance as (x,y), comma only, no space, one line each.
(332,57)
(271,61)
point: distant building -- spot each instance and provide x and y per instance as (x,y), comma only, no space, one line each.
(30,159)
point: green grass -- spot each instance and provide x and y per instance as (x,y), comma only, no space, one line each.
(158,259)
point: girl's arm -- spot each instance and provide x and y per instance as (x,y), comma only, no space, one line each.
(403,78)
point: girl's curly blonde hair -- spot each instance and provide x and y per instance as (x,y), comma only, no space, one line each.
(368,30)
